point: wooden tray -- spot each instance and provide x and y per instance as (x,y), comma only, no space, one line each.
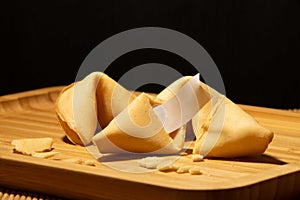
(274,175)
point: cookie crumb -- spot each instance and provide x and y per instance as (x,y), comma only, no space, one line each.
(73,160)
(168,168)
(90,162)
(183,169)
(184,154)
(197,158)
(44,154)
(195,171)
(32,145)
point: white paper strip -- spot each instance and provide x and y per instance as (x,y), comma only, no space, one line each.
(183,106)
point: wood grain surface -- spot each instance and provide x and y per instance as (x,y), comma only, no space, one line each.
(273,175)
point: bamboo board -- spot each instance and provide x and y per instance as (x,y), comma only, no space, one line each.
(273,175)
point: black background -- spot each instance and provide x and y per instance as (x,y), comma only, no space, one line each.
(255,44)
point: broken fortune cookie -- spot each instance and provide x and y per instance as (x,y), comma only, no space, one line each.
(81,105)
(222,128)
(137,129)
(31,146)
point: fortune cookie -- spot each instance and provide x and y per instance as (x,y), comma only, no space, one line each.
(81,105)
(137,129)
(222,128)
(225,130)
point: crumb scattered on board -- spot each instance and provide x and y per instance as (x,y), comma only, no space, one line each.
(44,154)
(73,160)
(152,162)
(197,158)
(195,171)
(80,161)
(165,164)
(183,169)
(32,145)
